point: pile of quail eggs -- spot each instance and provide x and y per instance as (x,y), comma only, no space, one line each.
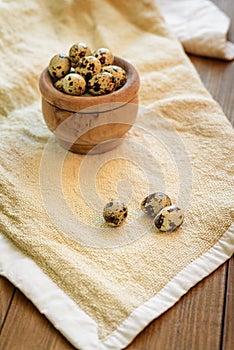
(83,72)
(166,217)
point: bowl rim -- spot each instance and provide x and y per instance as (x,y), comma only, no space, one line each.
(77,103)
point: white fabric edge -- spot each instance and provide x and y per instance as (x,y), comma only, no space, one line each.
(172,292)
(201,26)
(78,327)
(50,300)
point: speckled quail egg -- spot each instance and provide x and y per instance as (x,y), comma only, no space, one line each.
(77,51)
(59,66)
(115,213)
(101,83)
(169,218)
(153,203)
(59,84)
(118,73)
(88,66)
(74,84)
(104,55)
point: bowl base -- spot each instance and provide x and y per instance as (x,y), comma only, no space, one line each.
(92,149)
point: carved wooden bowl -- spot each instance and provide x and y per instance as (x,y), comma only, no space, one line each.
(85,123)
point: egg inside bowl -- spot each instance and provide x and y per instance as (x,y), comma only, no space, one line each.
(84,123)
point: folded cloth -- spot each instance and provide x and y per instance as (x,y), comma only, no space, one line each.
(101,286)
(200,26)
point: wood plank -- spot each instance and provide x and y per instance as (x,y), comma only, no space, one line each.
(194,323)
(25,328)
(182,327)
(217,76)
(228,328)
(6,294)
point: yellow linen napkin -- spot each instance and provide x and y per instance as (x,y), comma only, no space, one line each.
(100,286)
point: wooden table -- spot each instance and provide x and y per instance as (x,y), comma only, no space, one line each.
(201,320)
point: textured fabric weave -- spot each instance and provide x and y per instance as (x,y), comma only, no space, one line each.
(181,144)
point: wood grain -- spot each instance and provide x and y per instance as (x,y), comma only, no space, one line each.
(26,329)
(228,327)
(6,295)
(194,323)
(217,77)
(201,320)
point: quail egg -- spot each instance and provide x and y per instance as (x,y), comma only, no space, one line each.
(101,83)
(169,218)
(118,73)
(115,213)
(88,66)
(59,66)
(77,51)
(59,84)
(74,84)
(153,203)
(104,55)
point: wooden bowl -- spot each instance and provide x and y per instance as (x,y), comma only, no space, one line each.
(97,123)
